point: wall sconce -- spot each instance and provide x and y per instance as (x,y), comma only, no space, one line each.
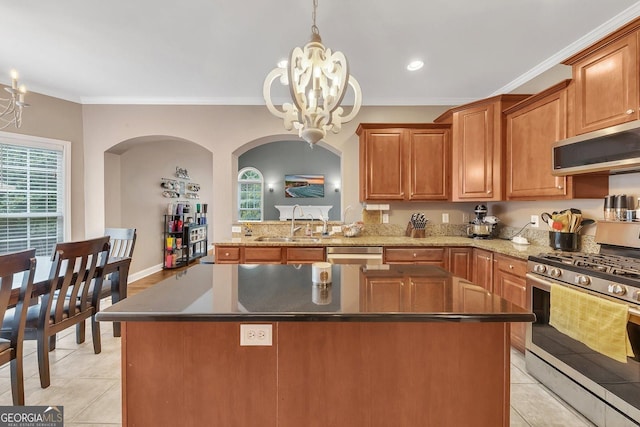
(336,186)
(270,188)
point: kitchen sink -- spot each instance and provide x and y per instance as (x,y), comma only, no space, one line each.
(287,239)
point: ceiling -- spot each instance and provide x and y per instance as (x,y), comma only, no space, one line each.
(219,51)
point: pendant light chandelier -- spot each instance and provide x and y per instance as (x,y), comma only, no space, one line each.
(11,108)
(318,80)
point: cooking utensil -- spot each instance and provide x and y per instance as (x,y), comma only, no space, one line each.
(584,222)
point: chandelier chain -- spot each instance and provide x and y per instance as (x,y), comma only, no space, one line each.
(314,27)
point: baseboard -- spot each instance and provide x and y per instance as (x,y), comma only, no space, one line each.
(144,273)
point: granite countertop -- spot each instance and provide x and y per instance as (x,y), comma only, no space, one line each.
(501,246)
(275,292)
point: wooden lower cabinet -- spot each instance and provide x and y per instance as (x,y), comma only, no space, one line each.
(268,254)
(483,268)
(510,283)
(380,292)
(316,374)
(461,262)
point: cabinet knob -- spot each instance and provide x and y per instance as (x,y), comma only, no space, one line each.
(559,187)
(415,254)
(488,191)
(630,111)
(511,266)
(226,254)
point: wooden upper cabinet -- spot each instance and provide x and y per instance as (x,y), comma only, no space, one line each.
(429,163)
(477,148)
(533,125)
(404,161)
(606,76)
(382,164)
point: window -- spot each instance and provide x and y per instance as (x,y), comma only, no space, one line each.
(34,193)
(250,195)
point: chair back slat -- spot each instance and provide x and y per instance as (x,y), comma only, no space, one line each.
(122,241)
(11,264)
(76,265)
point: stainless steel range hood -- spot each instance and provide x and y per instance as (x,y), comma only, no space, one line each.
(614,150)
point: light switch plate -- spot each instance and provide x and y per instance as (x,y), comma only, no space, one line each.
(334,229)
(385,218)
(445,218)
(236,229)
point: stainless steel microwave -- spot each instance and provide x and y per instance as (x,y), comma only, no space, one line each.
(615,150)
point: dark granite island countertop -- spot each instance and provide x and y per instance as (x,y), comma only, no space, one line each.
(380,293)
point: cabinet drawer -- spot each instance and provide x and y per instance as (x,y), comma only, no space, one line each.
(511,265)
(226,254)
(265,255)
(302,255)
(411,255)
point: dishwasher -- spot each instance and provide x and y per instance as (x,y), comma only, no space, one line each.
(354,254)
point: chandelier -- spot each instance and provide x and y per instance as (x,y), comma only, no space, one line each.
(12,111)
(318,80)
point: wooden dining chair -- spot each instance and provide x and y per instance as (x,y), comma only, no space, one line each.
(11,337)
(123,241)
(76,270)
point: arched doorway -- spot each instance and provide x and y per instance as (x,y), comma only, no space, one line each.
(133,172)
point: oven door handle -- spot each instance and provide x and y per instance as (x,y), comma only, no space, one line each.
(541,283)
(546,285)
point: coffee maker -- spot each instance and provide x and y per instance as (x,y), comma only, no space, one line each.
(482,226)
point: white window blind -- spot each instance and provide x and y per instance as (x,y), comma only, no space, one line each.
(32,197)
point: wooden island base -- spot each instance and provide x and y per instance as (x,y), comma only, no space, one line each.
(320,374)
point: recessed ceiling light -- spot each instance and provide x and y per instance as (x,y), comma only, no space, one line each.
(415,65)
(282,63)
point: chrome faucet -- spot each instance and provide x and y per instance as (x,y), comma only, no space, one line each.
(293,219)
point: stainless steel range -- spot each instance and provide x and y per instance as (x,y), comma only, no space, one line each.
(606,391)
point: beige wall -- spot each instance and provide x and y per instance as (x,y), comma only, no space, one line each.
(58,119)
(142,205)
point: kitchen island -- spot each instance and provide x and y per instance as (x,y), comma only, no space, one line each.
(380,345)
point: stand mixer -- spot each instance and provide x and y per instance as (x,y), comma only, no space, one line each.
(482,226)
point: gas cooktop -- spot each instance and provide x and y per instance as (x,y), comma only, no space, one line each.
(614,265)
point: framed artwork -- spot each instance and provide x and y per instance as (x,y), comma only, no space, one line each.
(304,185)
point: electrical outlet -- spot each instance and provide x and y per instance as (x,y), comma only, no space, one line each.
(255,335)
(335,229)
(535,221)
(385,218)
(236,229)
(318,229)
(445,218)
(465,218)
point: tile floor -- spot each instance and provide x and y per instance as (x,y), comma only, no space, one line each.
(88,386)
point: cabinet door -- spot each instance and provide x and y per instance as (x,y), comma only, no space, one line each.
(476,154)
(607,86)
(460,262)
(429,164)
(530,134)
(483,268)
(429,295)
(382,164)
(304,255)
(382,294)
(262,255)
(510,283)
(227,254)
